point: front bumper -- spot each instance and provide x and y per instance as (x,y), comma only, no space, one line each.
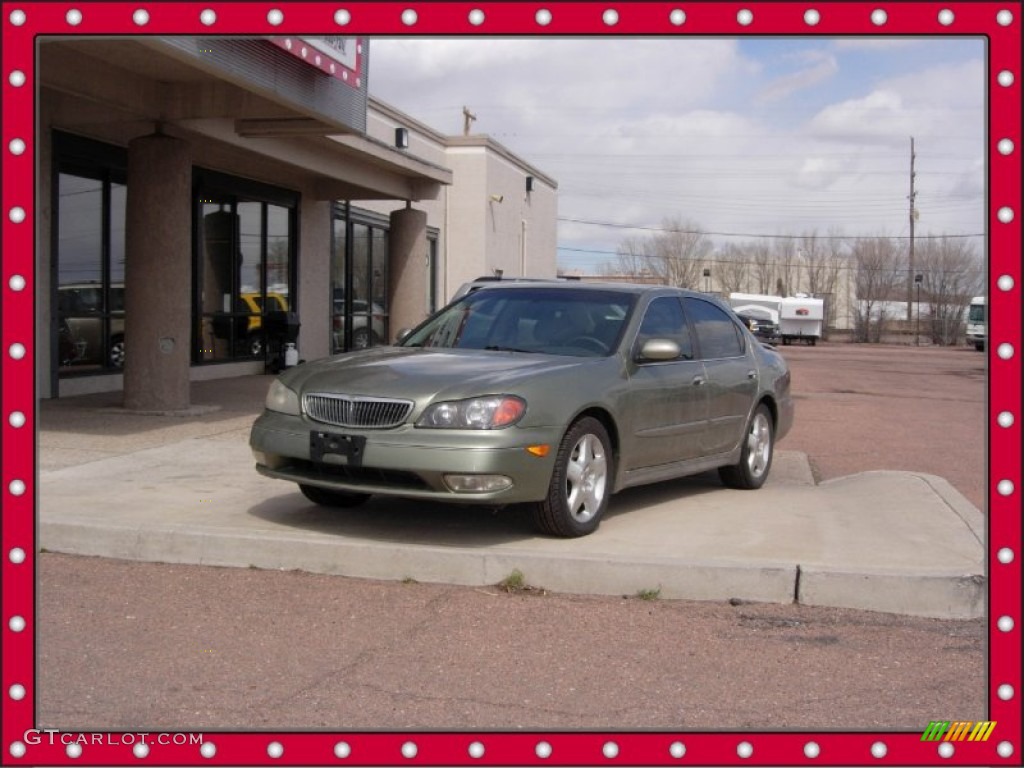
(408,462)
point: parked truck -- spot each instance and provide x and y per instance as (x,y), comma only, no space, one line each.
(976,323)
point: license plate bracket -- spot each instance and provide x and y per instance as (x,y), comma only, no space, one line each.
(323,444)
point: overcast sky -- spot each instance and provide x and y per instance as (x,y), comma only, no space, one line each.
(745,137)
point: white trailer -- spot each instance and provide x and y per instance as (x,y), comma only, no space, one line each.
(800,319)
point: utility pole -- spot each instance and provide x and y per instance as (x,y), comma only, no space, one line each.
(468,118)
(910,254)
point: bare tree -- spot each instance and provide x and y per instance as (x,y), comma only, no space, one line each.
(787,271)
(764,267)
(951,274)
(674,255)
(732,268)
(880,268)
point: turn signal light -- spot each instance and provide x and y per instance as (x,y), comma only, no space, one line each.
(539,450)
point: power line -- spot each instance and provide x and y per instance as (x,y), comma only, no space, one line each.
(613,225)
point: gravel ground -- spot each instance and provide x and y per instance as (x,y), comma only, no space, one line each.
(140,646)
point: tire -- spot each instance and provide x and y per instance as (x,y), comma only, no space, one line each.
(581,482)
(116,355)
(326,498)
(756,457)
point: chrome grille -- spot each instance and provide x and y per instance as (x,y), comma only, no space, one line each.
(356,410)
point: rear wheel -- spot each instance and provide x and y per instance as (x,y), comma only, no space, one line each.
(581,482)
(756,456)
(326,498)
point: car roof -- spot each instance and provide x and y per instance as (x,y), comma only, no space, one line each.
(519,284)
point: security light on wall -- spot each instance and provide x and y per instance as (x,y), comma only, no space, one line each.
(402,138)
(497,198)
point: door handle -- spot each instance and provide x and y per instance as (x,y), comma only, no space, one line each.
(698,381)
(751,374)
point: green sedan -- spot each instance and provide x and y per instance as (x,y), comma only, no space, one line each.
(555,395)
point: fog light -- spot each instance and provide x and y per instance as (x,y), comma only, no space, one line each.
(477,483)
(269,460)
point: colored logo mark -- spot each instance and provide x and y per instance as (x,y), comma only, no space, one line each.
(959,730)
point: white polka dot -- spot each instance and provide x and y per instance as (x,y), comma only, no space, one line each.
(1005,419)
(275,749)
(812,17)
(946,17)
(17,623)
(1005,351)
(1005,692)
(17,556)
(17,214)
(610,17)
(543,750)
(342,750)
(16,692)
(16,78)
(341,18)
(17,147)
(1005,487)
(543,17)
(1004,18)
(409,750)
(17,351)
(73,17)
(745,749)
(1005,283)
(141,17)
(1005,624)
(1005,555)
(878,18)
(946,749)
(811,749)
(141,750)
(16,283)
(1005,214)
(275,16)
(879,750)
(74,751)
(208,749)
(16,419)
(208,17)
(677,17)
(18,749)
(1005,146)
(610,750)
(16,487)
(745,17)
(17,17)
(476,18)
(1005,78)
(409,17)
(476,750)
(1005,749)
(677,750)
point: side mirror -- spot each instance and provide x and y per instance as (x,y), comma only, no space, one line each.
(402,333)
(659,350)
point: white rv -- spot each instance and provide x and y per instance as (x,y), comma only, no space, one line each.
(976,323)
(800,319)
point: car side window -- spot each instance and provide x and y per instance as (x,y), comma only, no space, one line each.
(664,320)
(717,335)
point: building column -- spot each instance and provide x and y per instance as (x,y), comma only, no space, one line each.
(408,269)
(158,270)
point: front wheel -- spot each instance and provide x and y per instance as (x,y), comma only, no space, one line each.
(581,482)
(326,498)
(756,456)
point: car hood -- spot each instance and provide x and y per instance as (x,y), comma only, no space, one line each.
(423,374)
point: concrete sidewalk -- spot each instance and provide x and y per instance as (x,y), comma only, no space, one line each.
(183,490)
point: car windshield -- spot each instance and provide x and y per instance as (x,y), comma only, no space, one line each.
(554,321)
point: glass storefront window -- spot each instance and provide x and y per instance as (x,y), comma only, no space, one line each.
(359,264)
(90,272)
(245,271)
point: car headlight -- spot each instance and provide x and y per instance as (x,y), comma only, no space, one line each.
(282,399)
(491,412)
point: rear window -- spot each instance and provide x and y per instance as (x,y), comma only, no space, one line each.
(717,334)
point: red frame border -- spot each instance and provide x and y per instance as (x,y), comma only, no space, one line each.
(519,18)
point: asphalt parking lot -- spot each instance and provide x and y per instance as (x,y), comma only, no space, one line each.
(179,646)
